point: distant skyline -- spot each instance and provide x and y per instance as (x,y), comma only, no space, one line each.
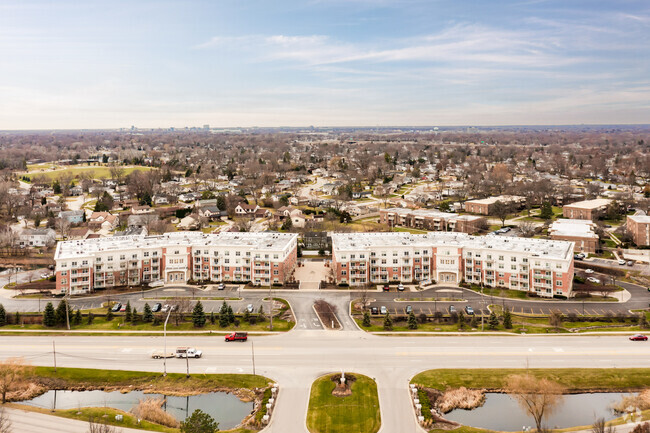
(156,64)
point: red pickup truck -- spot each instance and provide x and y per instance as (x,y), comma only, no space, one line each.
(237,336)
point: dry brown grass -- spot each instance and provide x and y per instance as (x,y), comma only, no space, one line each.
(150,409)
(461,398)
(641,401)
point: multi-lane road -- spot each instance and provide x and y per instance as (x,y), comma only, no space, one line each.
(296,358)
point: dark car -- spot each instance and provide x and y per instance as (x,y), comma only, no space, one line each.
(374,310)
(639,337)
(386,288)
(469,310)
(116,307)
(156,307)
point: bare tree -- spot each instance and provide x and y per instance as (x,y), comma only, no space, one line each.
(12,372)
(180,307)
(63,227)
(538,397)
(501,211)
(600,426)
(117,173)
(527,229)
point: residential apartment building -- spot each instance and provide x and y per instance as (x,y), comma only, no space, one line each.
(430,219)
(580,232)
(586,210)
(485,206)
(639,227)
(533,265)
(261,258)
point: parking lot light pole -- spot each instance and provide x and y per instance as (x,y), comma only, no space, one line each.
(165,340)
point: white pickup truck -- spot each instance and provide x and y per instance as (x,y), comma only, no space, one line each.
(188,352)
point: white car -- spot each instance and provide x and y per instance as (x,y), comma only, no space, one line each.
(621,262)
(589,271)
(593,280)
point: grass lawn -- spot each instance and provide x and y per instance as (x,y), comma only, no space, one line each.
(575,379)
(502,293)
(356,413)
(98,172)
(408,230)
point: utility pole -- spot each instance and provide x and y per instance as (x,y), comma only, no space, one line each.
(54,353)
(271,308)
(165,339)
(187,364)
(253,355)
(67,310)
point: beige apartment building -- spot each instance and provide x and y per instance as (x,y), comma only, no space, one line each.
(586,210)
(430,219)
(485,206)
(580,232)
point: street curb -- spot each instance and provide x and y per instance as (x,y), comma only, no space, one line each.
(323,325)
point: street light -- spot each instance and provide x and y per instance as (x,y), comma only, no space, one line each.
(165,339)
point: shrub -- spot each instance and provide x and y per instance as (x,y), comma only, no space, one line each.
(150,409)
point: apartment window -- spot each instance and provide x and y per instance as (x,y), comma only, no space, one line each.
(64,272)
(227,253)
(362,256)
(227,260)
(353,256)
(394,261)
(469,254)
(406,253)
(84,263)
(558,274)
(558,283)
(344,272)
(525,260)
(237,253)
(513,259)
(74,263)
(146,254)
(275,256)
(489,256)
(500,257)
(513,267)
(64,280)
(155,253)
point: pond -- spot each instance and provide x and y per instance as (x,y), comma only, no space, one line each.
(225,408)
(575,410)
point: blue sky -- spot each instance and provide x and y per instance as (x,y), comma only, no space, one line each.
(92,64)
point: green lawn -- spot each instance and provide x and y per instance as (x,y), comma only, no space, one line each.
(502,293)
(408,230)
(575,379)
(356,413)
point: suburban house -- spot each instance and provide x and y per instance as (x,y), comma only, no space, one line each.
(580,232)
(638,226)
(103,220)
(211,212)
(76,233)
(586,210)
(72,216)
(246,209)
(141,210)
(36,238)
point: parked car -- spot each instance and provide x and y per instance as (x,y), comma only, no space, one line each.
(409,309)
(249,308)
(581,255)
(374,310)
(383,309)
(593,280)
(639,337)
(452,309)
(621,262)
(589,271)
(386,288)
(577,257)
(400,287)
(505,229)
(469,310)
(221,286)
(123,308)
(156,307)
(630,262)
(165,308)
(116,307)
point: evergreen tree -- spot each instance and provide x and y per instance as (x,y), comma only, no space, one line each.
(3,315)
(199,422)
(461,320)
(507,319)
(366,319)
(61,318)
(413,323)
(109,314)
(91,317)
(213,319)
(17,317)
(76,319)
(198,315)
(388,323)
(231,315)
(223,315)
(247,316)
(474,322)
(49,316)
(493,321)
(546,212)
(127,312)
(148,314)
(134,316)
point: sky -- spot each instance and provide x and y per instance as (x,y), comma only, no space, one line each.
(227,63)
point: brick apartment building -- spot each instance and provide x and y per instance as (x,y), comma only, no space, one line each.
(430,219)
(541,266)
(262,258)
(586,210)
(580,232)
(639,227)
(485,206)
